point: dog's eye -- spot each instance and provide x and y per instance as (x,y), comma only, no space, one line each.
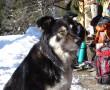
(62,31)
(60,35)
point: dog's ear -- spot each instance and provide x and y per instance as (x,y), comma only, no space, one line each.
(45,22)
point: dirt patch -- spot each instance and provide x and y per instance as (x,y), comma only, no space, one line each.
(88,81)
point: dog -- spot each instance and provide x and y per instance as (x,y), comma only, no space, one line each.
(48,64)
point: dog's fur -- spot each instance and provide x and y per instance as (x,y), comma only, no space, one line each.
(48,64)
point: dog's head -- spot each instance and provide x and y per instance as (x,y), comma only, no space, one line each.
(57,38)
(77,28)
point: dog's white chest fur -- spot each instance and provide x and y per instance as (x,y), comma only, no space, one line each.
(66,77)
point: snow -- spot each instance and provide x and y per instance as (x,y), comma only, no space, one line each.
(14,48)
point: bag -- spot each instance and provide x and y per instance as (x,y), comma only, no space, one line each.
(103,65)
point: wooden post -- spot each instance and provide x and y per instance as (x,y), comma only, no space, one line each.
(81,8)
(84,12)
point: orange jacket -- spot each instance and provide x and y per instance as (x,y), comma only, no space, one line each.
(102,32)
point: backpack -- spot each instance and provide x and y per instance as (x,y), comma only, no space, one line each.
(103,65)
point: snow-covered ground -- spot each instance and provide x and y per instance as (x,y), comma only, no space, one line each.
(13,49)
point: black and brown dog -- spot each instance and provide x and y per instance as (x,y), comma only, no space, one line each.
(48,64)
